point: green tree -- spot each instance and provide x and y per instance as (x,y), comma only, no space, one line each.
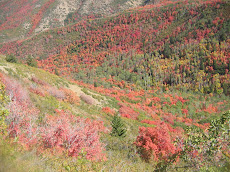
(167,50)
(11,58)
(229,66)
(201,64)
(118,127)
(226,88)
(172,39)
(30,61)
(56,72)
(223,36)
(215,67)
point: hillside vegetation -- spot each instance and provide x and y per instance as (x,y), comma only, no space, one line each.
(146,89)
(20,19)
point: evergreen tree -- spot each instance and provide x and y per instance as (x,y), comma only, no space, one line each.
(118,127)
(223,36)
(225,88)
(201,64)
(31,61)
(172,40)
(11,58)
(167,50)
(56,72)
(215,65)
(176,67)
(229,66)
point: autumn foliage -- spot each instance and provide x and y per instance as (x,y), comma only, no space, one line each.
(155,143)
(68,133)
(57,134)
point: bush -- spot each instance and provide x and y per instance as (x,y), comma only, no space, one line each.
(30,61)
(71,96)
(155,143)
(67,133)
(209,148)
(11,58)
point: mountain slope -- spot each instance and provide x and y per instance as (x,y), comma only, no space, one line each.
(19,19)
(41,105)
(179,37)
(158,76)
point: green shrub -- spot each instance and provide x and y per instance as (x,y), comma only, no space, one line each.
(11,58)
(30,61)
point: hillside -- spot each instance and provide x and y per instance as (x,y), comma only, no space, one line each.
(39,100)
(144,89)
(20,19)
(186,41)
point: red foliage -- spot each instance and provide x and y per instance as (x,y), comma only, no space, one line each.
(70,96)
(184,111)
(210,109)
(62,133)
(74,134)
(108,110)
(127,112)
(39,82)
(168,117)
(23,115)
(155,142)
(37,91)
(15,91)
(21,10)
(59,94)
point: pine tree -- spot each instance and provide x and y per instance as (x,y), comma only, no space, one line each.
(31,61)
(201,64)
(118,127)
(214,65)
(225,88)
(167,50)
(11,58)
(229,66)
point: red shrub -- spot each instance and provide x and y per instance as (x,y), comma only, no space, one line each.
(168,117)
(184,111)
(22,121)
(15,90)
(67,132)
(62,133)
(127,112)
(108,110)
(155,142)
(38,81)
(37,90)
(70,96)
(59,94)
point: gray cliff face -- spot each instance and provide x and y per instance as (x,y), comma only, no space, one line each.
(59,13)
